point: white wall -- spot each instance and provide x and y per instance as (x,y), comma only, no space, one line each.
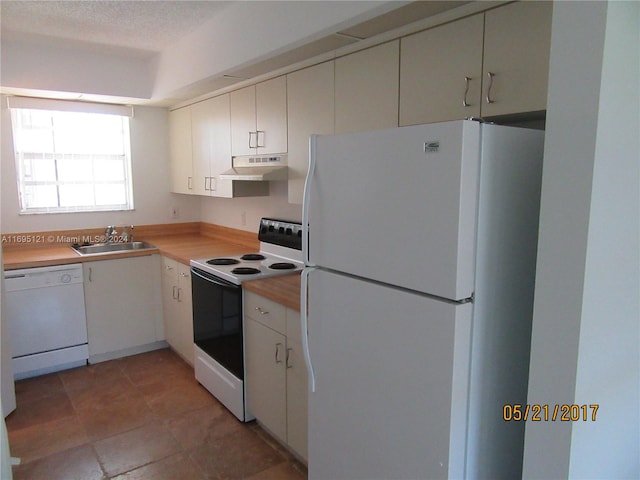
(150,165)
(52,66)
(586,327)
(230,212)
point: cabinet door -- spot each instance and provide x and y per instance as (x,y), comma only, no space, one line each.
(271,116)
(265,356)
(441,73)
(183,342)
(297,386)
(169,294)
(516,55)
(310,110)
(177,305)
(366,89)
(243,121)
(180,150)
(123,303)
(220,146)
(201,130)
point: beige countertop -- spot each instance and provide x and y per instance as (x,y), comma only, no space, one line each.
(201,242)
(284,289)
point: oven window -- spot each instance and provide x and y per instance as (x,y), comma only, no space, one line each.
(217,320)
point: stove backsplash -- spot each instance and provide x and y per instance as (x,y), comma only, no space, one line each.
(281,232)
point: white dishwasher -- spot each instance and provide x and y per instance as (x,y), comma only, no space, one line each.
(47,322)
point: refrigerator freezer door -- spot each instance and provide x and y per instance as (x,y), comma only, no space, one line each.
(398,206)
(391,370)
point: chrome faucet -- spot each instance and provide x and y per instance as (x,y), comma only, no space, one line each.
(109,233)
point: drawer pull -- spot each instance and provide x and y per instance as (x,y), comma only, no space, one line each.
(278,345)
(261,311)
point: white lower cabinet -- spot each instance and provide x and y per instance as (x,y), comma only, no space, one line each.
(178,311)
(123,305)
(276,376)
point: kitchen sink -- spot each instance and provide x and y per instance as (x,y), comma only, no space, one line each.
(102,248)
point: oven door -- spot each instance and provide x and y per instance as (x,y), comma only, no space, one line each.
(217,320)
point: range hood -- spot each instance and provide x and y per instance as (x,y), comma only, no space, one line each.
(257,169)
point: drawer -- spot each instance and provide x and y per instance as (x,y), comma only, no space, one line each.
(169,267)
(265,311)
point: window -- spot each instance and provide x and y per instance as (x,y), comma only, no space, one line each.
(72,161)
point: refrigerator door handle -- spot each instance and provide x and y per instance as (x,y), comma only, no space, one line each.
(306,198)
(304,320)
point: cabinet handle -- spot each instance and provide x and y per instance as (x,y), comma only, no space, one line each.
(258,138)
(90,274)
(174,295)
(250,143)
(178,298)
(490,75)
(287,363)
(184,275)
(212,184)
(466,91)
(168,267)
(261,311)
(189,183)
(205,184)
(277,356)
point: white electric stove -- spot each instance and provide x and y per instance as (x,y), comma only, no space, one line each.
(217,308)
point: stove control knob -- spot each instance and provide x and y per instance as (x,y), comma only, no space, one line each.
(289,231)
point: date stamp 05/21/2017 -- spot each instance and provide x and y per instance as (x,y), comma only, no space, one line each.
(550,413)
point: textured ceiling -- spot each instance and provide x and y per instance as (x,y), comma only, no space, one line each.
(139,25)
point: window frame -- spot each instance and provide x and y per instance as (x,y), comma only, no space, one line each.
(92,182)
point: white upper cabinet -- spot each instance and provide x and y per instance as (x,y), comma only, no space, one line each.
(366,89)
(180,150)
(517,42)
(441,73)
(211,134)
(310,109)
(202,146)
(243,121)
(221,151)
(485,65)
(489,64)
(259,118)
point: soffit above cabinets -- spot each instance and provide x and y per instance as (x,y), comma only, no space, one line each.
(400,17)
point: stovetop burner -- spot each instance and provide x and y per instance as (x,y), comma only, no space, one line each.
(280,253)
(253,256)
(245,271)
(223,261)
(282,266)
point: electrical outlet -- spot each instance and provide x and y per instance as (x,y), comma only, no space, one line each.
(174,212)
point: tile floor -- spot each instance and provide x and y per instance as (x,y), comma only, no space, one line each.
(142,417)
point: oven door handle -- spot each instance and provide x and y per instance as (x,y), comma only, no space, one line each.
(213,279)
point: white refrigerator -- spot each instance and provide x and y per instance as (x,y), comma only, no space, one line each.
(420,251)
